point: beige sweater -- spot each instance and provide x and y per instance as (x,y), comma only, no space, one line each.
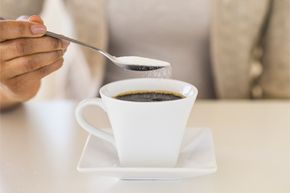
(246,35)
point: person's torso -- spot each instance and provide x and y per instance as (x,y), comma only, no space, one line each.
(174,31)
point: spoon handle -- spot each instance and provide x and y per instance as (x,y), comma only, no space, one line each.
(59,36)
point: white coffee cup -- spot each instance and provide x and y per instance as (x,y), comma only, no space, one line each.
(145,134)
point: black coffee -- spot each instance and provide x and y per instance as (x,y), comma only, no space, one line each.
(149,96)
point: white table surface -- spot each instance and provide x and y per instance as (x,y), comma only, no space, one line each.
(40,145)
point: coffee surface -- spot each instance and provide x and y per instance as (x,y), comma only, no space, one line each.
(149,96)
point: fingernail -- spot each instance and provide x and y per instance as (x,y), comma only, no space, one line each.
(38,29)
(65,43)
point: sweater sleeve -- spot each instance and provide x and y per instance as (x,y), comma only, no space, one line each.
(275,78)
(13,8)
(236,30)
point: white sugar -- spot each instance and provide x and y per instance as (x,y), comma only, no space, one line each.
(136,60)
(160,73)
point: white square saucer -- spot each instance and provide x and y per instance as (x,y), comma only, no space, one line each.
(197,158)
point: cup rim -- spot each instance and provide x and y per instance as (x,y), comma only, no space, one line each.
(103,95)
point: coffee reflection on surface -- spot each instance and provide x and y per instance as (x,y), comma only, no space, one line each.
(149,96)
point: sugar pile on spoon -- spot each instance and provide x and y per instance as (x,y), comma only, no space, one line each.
(152,68)
(137,63)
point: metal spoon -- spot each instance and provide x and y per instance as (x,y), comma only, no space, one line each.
(128,62)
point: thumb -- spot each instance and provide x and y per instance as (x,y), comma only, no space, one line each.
(10,29)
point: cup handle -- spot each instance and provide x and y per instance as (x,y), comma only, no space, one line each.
(101,133)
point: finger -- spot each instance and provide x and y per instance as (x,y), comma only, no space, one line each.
(22,88)
(11,29)
(31,81)
(28,63)
(36,19)
(46,70)
(33,77)
(64,51)
(26,46)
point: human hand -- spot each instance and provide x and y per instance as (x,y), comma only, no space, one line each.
(26,56)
